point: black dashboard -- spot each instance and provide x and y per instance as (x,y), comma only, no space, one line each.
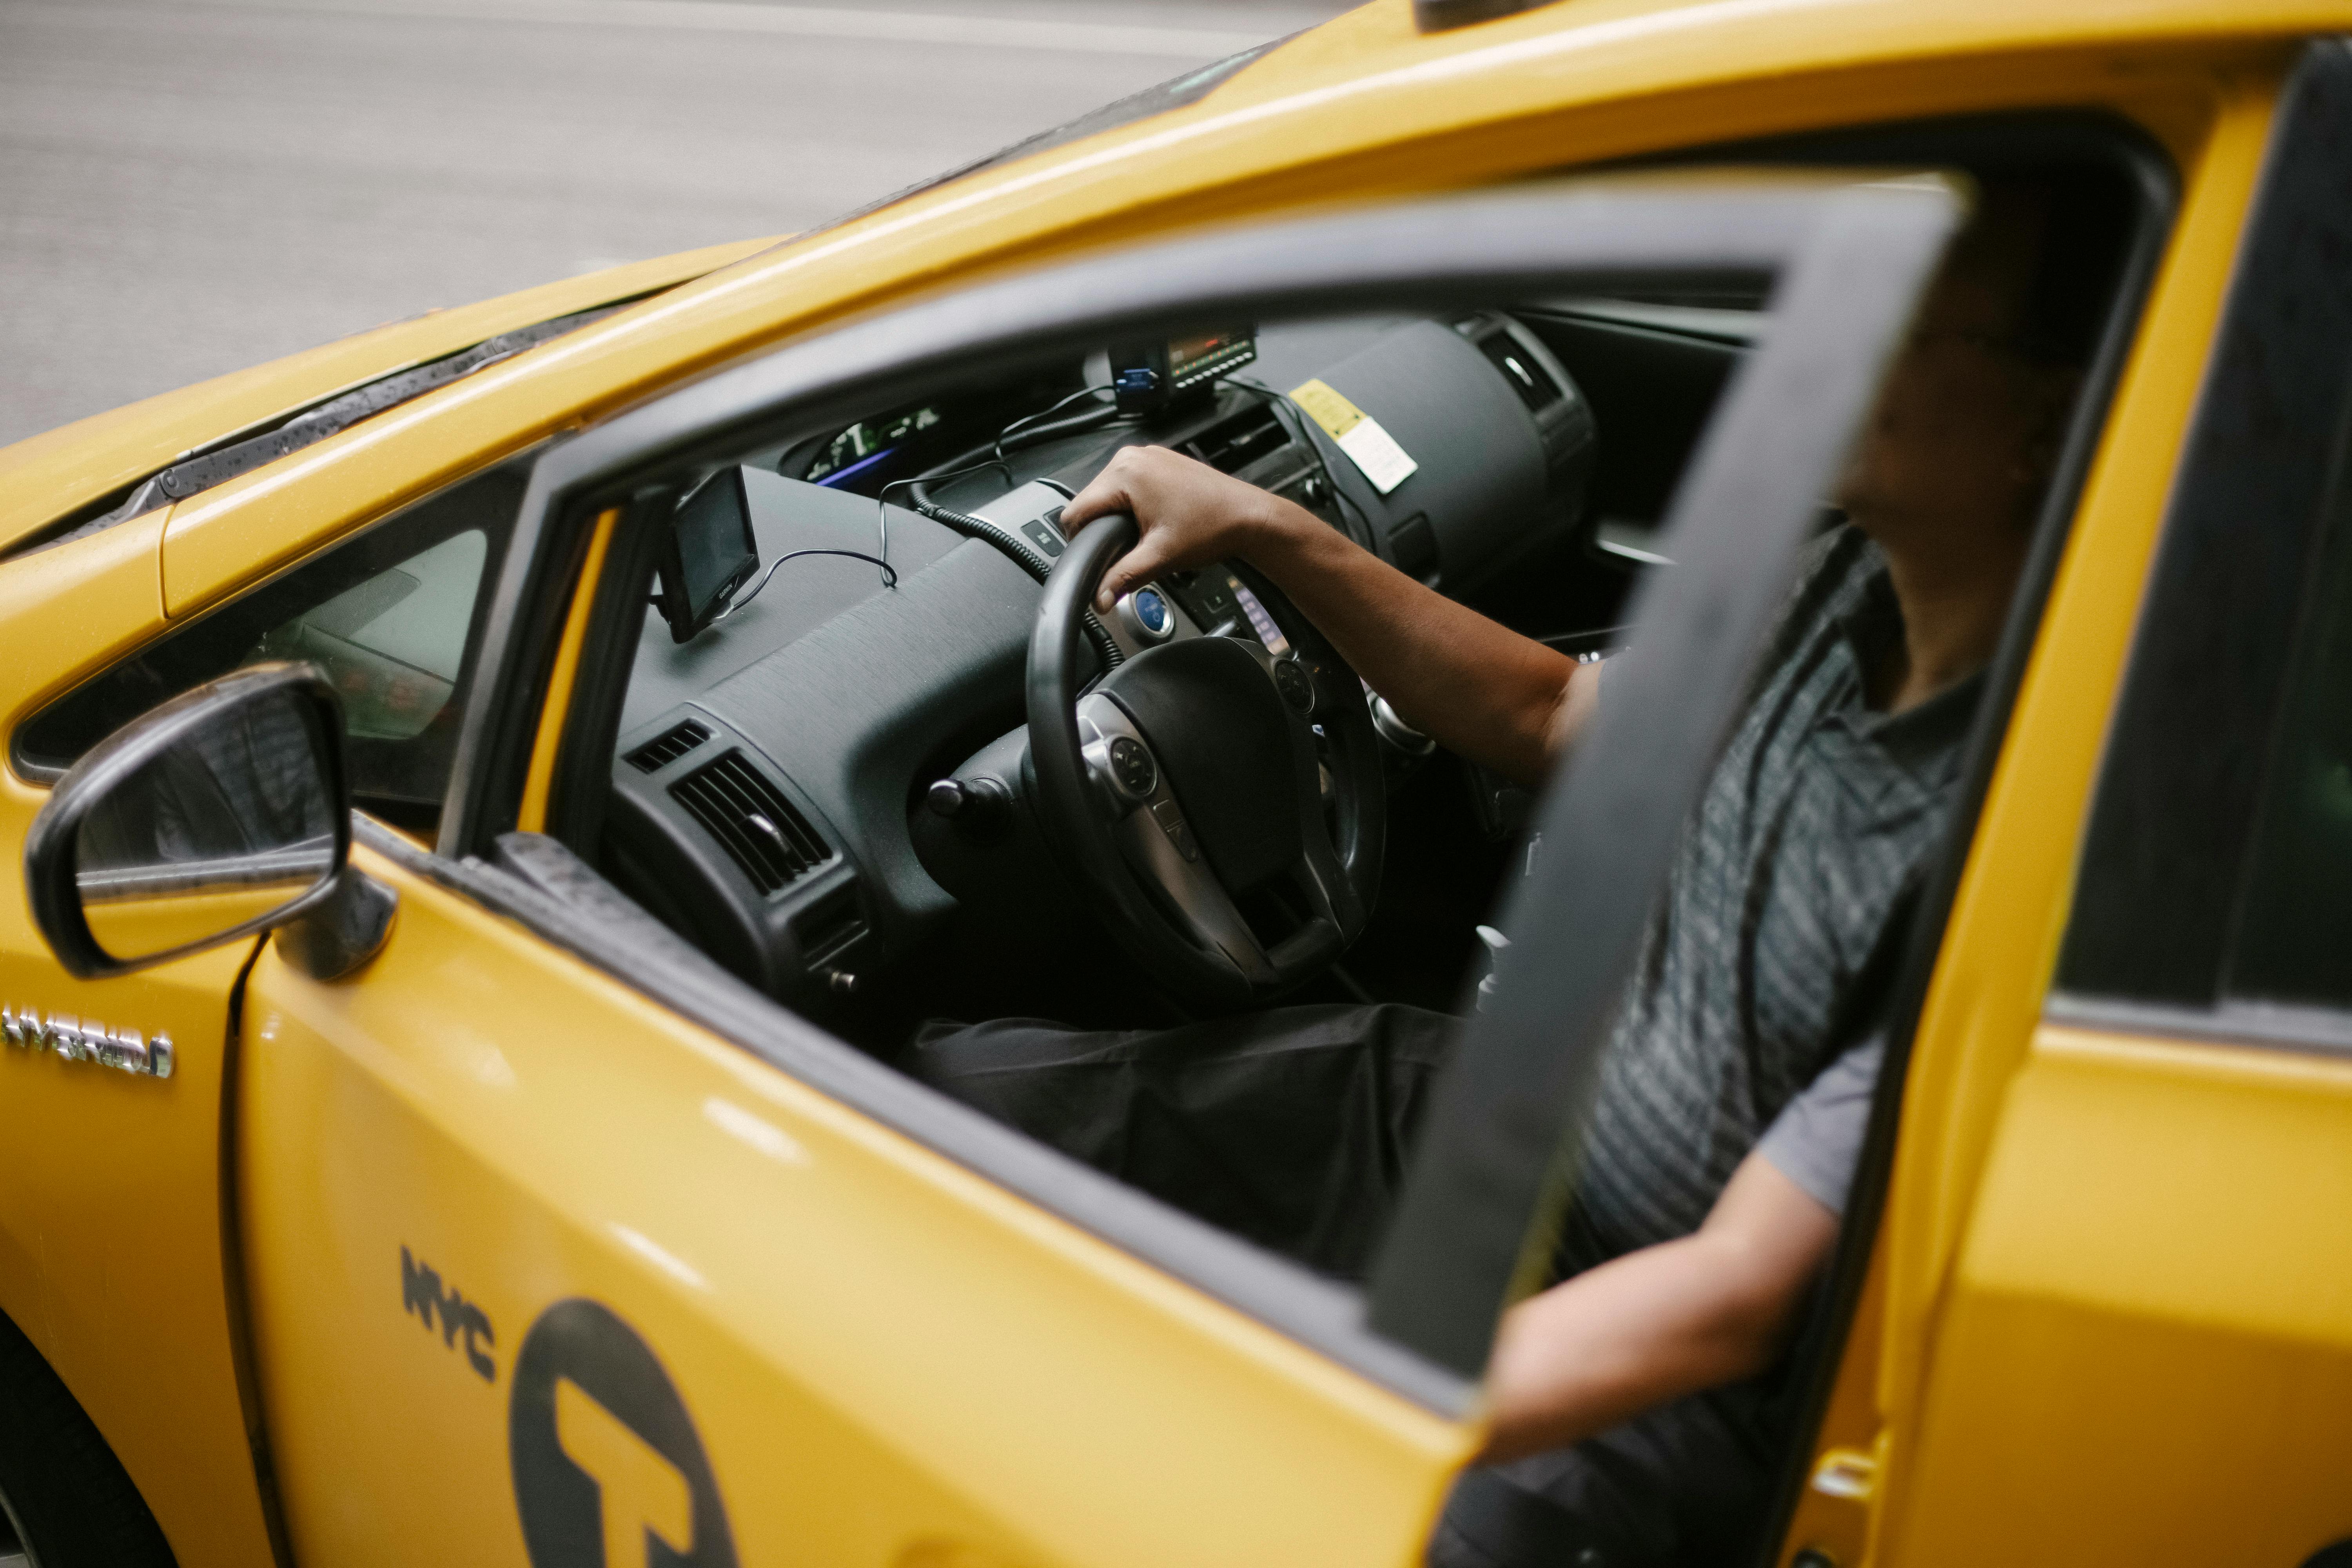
(767,795)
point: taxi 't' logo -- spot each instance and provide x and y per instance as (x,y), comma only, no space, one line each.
(608,1472)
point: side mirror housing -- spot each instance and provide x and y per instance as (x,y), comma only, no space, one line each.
(224,812)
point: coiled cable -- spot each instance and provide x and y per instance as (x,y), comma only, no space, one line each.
(1030,559)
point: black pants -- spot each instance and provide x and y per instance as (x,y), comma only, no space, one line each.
(1287,1128)
(1290,1128)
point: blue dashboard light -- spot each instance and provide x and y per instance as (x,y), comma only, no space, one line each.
(1151,612)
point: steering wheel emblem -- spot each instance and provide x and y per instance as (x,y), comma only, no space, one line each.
(1145,615)
(1297,687)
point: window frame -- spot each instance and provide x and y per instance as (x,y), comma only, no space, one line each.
(2165,862)
(2028,139)
(1432,255)
(376,536)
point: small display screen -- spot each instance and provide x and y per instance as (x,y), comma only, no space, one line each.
(867,440)
(715,547)
(1260,621)
(1186,356)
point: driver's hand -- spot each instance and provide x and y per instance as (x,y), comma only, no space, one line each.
(1188,514)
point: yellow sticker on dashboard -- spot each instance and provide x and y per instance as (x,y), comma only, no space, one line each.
(1357,434)
(1328,406)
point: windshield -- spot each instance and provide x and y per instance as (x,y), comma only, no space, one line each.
(1176,92)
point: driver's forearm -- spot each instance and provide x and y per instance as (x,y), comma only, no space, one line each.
(1648,1327)
(1478,688)
(1660,1322)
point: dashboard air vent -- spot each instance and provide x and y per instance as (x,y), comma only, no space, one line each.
(1522,370)
(759,828)
(669,746)
(1237,441)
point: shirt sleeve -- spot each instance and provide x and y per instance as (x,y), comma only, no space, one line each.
(1816,1139)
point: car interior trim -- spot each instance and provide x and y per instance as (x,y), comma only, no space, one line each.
(2318,1031)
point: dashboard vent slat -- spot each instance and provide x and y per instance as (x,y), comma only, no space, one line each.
(1525,373)
(768,840)
(669,746)
(1233,443)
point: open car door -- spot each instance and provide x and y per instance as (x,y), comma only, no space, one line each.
(564,1245)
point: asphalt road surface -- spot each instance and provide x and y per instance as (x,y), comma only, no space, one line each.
(190,187)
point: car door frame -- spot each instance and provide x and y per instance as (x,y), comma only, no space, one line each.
(1517,244)
(1841,1302)
(2138,1005)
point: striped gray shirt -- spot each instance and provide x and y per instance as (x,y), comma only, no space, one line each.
(1813,818)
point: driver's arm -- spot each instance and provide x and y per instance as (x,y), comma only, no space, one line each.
(1709,1308)
(1481,690)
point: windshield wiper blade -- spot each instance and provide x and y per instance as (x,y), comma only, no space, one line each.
(202,471)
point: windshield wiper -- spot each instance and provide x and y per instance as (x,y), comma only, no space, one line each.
(203,469)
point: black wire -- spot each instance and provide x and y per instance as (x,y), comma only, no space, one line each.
(1003,539)
(889,575)
(1339,491)
(1108,414)
(1030,559)
(916,488)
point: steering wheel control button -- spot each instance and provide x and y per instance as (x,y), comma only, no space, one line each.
(1131,765)
(1170,817)
(1297,687)
(1147,616)
(1040,534)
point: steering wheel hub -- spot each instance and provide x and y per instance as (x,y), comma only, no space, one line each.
(1192,779)
(1224,737)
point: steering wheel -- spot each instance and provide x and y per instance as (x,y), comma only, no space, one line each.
(1203,777)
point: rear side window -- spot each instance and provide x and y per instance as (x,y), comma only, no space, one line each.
(395,643)
(2294,937)
(2217,867)
(393,618)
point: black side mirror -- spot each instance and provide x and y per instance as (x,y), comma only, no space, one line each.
(709,551)
(224,812)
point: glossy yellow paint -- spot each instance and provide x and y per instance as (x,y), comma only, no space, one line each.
(2155,1303)
(2002,940)
(509,1094)
(532,816)
(852,1319)
(48,475)
(111,1246)
(1362,114)
(1832,1520)
(135,928)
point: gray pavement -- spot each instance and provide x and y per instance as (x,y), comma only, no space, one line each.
(189,186)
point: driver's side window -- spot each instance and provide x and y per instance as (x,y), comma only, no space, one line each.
(392,619)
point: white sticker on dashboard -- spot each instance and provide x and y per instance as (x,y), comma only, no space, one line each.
(1375,451)
(1357,434)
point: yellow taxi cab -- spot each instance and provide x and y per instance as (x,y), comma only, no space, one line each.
(495,793)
